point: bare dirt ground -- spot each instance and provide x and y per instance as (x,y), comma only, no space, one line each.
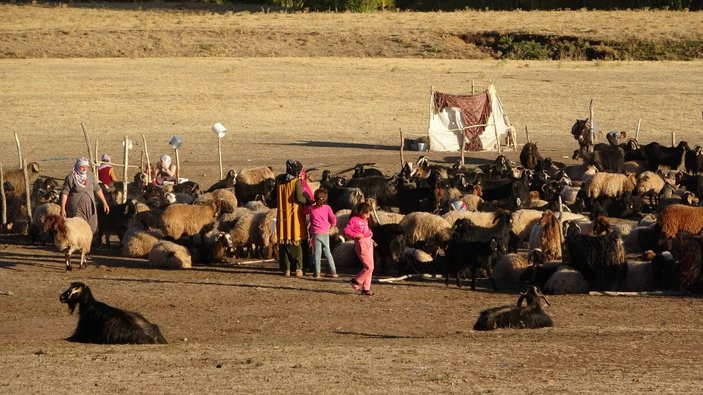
(246,329)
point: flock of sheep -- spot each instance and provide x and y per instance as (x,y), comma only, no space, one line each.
(560,228)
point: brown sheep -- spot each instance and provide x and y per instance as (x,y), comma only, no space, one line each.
(547,236)
(16,178)
(185,219)
(679,218)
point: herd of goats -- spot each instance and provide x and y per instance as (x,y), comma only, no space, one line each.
(536,225)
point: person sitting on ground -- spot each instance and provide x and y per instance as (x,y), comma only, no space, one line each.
(164,170)
(106,173)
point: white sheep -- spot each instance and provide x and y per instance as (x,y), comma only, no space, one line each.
(70,235)
(509,268)
(266,236)
(256,205)
(254,175)
(649,184)
(170,255)
(427,229)
(610,185)
(566,280)
(635,167)
(137,243)
(525,219)
(39,217)
(241,226)
(218,194)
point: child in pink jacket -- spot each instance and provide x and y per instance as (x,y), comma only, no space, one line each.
(358,229)
(322,218)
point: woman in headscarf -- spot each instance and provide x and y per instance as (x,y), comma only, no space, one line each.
(165,170)
(106,174)
(78,194)
(291,227)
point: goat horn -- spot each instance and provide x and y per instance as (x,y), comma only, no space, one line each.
(343,171)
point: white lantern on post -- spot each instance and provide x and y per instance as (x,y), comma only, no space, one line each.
(174,143)
(220,132)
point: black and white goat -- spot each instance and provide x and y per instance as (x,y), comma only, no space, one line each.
(103,324)
(518,317)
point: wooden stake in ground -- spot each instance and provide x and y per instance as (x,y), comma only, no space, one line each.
(124,171)
(527,135)
(2,196)
(590,120)
(90,151)
(219,154)
(637,132)
(178,167)
(462,142)
(148,163)
(19,150)
(402,146)
(27,190)
(495,130)
(673,139)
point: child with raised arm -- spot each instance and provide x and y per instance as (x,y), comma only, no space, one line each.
(322,218)
(358,229)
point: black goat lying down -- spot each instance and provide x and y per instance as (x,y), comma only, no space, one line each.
(519,317)
(103,324)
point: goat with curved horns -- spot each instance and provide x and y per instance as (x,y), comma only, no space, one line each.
(518,317)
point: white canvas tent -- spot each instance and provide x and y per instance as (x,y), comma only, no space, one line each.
(488,122)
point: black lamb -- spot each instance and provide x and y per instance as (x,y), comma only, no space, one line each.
(693,160)
(518,317)
(103,324)
(465,255)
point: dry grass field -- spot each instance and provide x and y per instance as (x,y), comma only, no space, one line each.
(330,90)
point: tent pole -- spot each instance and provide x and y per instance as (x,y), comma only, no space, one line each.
(462,147)
(495,129)
(593,132)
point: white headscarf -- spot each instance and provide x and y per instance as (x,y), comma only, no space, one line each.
(79,174)
(165,161)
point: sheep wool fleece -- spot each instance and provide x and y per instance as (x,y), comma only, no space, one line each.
(81,199)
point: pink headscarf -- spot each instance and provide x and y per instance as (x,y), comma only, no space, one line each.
(304,183)
(105,158)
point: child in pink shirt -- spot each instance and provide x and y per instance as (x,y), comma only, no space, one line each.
(322,218)
(358,229)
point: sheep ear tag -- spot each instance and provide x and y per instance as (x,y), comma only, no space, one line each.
(494,244)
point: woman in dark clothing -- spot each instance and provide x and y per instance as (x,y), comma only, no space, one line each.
(78,194)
